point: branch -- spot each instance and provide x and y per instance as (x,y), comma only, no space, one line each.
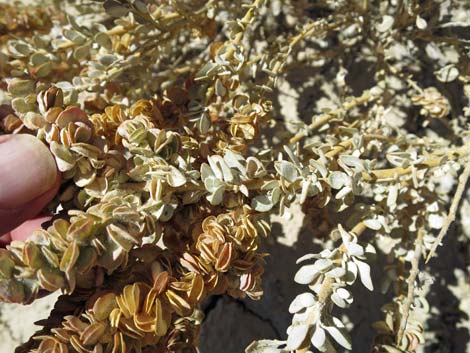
(411,280)
(434,161)
(365,98)
(453,209)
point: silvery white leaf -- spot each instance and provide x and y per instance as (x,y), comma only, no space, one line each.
(340,336)
(386,24)
(338,179)
(287,170)
(74,36)
(353,162)
(226,172)
(165,212)
(262,203)
(337,322)
(336,272)
(421,22)
(435,221)
(297,335)
(340,302)
(103,40)
(354,249)
(399,159)
(80,53)
(364,274)
(234,160)
(351,272)
(447,74)
(343,192)
(328,254)
(307,257)
(204,123)
(265,346)
(318,339)
(370,252)
(433,207)
(306,274)
(392,196)
(344,293)
(373,223)
(214,166)
(320,167)
(206,171)
(304,192)
(300,317)
(64,85)
(217,196)
(323,264)
(269,185)
(345,236)
(175,178)
(275,195)
(316,286)
(291,155)
(19,49)
(244,190)
(212,184)
(302,301)
(390,349)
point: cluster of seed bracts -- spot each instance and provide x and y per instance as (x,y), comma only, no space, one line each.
(158,311)
(18,20)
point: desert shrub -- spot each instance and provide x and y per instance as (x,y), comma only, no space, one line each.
(165,121)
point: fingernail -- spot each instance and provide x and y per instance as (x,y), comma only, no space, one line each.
(27,170)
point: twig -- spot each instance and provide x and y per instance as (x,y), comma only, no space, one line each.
(453,209)
(434,161)
(342,146)
(326,289)
(247,19)
(411,280)
(365,98)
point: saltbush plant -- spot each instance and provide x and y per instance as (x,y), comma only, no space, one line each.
(165,121)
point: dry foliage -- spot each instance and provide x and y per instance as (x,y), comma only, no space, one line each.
(160,116)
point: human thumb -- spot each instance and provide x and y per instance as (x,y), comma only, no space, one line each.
(28,179)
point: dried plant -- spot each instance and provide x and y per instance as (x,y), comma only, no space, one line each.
(161,119)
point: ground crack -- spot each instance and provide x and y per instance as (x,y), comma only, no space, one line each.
(210,305)
(212,302)
(262,318)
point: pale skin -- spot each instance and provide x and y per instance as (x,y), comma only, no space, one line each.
(28,182)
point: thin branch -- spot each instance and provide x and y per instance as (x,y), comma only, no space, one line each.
(434,161)
(453,209)
(411,285)
(365,98)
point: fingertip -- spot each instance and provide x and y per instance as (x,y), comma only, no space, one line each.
(12,218)
(25,230)
(5,240)
(27,170)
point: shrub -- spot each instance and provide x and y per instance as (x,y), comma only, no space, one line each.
(164,118)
